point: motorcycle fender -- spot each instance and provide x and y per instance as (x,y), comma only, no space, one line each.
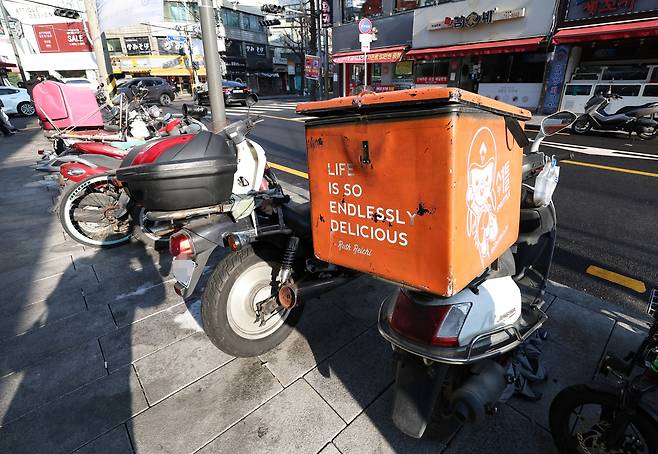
(207,234)
(649,410)
(77,172)
(416,390)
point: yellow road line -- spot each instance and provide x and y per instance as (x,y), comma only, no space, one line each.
(613,169)
(299,173)
(617,278)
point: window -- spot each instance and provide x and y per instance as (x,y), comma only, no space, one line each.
(651,90)
(354,10)
(513,68)
(431,72)
(578,90)
(4,91)
(403,5)
(621,90)
(251,23)
(180,11)
(231,18)
(654,75)
(625,73)
(113,45)
(585,76)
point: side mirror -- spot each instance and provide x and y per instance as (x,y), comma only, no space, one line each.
(166,118)
(197,112)
(557,122)
(251,100)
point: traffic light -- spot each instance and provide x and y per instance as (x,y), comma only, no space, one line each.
(269,22)
(68,13)
(272,9)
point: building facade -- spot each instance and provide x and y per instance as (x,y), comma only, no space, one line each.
(600,46)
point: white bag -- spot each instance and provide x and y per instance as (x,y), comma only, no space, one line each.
(545,183)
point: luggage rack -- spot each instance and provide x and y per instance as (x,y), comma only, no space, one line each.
(482,346)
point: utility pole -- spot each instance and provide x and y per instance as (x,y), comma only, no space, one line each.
(213,67)
(100,49)
(5,22)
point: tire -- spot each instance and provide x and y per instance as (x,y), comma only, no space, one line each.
(165,99)
(238,281)
(581,125)
(87,197)
(648,136)
(140,230)
(26,109)
(574,397)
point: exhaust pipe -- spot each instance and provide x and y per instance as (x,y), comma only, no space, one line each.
(291,295)
(479,394)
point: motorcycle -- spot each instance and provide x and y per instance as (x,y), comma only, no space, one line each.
(93,207)
(589,418)
(630,119)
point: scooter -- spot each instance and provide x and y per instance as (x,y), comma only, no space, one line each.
(630,119)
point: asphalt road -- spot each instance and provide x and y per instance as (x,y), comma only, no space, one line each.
(607,203)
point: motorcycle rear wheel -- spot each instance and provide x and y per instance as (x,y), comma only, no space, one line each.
(238,282)
(93,196)
(648,136)
(581,125)
(579,403)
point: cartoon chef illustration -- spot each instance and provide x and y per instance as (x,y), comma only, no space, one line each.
(481,222)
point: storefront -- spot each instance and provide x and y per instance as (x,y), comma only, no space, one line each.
(498,50)
(605,46)
(387,70)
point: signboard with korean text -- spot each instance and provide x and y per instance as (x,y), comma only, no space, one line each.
(255,50)
(476,18)
(62,37)
(374,57)
(312,67)
(325,13)
(139,45)
(578,10)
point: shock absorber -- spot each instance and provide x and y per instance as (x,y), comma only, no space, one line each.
(288,259)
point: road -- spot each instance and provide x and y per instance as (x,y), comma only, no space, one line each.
(607,203)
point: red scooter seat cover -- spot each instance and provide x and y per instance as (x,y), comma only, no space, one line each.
(99,148)
(64,106)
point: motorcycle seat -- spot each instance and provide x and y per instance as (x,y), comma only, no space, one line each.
(99,148)
(298,218)
(630,108)
(102,161)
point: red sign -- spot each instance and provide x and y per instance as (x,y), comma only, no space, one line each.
(62,37)
(428,80)
(312,67)
(375,57)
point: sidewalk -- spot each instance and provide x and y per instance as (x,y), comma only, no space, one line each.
(99,355)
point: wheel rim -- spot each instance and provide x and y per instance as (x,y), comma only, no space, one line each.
(165,100)
(588,422)
(84,198)
(27,109)
(253,285)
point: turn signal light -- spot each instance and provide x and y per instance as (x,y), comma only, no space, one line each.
(430,324)
(181,246)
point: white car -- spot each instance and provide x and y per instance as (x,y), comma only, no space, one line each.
(80,82)
(16,100)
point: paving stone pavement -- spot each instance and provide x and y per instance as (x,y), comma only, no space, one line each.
(99,355)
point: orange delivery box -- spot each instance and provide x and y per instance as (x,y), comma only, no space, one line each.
(421,187)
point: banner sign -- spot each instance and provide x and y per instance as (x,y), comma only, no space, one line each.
(374,57)
(557,69)
(255,50)
(139,45)
(312,67)
(474,19)
(589,9)
(62,37)
(431,80)
(325,13)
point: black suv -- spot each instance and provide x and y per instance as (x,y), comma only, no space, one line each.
(159,89)
(234,92)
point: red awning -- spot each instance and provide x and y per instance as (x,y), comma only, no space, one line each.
(382,55)
(641,29)
(491,47)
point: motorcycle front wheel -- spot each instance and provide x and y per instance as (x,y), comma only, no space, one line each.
(579,415)
(582,125)
(648,135)
(86,212)
(238,283)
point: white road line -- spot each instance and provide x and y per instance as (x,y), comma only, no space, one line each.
(275,109)
(596,151)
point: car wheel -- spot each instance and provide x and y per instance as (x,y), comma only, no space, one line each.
(165,99)
(26,109)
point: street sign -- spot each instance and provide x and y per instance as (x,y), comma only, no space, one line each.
(365,26)
(176,39)
(365,46)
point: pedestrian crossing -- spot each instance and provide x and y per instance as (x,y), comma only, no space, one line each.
(273,109)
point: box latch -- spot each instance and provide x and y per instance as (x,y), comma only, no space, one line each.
(365,153)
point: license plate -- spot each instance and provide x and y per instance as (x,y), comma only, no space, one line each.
(183,270)
(237,91)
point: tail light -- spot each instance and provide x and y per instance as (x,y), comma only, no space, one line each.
(181,246)
(226,90)
(247,90)
(430,324)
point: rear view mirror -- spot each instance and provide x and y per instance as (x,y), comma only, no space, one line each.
(167,117)
(197,112)
(251,100)
(557,122)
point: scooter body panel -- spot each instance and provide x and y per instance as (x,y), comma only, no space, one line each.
(76,172)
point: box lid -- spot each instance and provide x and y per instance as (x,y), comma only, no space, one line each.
(413,98)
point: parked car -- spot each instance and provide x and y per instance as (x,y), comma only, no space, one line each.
(17,101)
(81,82)
(159,89)
(234,92)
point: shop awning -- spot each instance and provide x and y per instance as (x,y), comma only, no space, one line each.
(382,55)
(491,47)
(640,29)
